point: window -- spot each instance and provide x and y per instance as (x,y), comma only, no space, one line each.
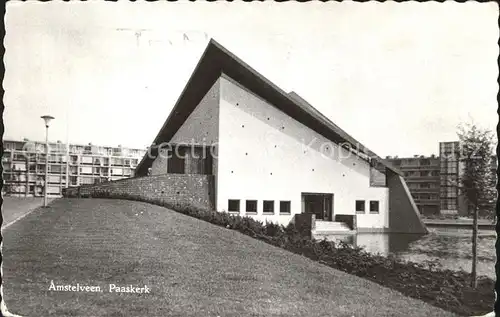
(374,206)
(9,145)
(233,205)
(85,170)
(116,161)
(117,171)
(86,159)
(19,166)
(19,157)
(285,207)
(54,179)
(268,206)
(86,180)
(251,206)
(55,169)
(54,158)
(360,206)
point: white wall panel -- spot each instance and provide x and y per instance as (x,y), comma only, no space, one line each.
(266,155)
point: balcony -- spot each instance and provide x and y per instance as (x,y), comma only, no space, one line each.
(424,190)
(418,178)
(419,168)
(426,201)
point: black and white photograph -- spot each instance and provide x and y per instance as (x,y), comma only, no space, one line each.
(259,158)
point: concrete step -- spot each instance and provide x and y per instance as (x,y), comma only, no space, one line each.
(331,227)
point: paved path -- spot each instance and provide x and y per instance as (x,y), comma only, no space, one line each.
(15,208)
(191,267)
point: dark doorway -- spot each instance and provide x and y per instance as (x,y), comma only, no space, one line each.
(319,204)
(176,161)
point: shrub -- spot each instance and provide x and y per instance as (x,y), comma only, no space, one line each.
(273,229)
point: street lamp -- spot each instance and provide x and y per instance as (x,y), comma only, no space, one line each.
(47,120)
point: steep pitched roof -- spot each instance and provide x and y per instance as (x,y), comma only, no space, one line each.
(217,60)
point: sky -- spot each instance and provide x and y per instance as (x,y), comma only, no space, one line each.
(398,77)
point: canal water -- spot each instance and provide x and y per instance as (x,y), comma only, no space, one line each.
(452,248)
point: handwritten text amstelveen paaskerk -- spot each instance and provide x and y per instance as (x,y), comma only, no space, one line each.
(112,288)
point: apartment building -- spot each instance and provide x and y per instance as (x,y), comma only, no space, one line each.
(433,181)
(422,176)
(24,166)
(450,170)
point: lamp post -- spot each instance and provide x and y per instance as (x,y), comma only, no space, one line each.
(47,120)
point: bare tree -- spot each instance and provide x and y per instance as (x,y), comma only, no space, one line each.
(477,180)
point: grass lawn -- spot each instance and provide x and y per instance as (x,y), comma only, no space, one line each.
(193,268)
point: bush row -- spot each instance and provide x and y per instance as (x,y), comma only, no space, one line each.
(428,282)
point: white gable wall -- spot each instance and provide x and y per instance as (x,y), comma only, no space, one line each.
(266,155)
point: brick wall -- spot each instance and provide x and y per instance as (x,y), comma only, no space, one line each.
(175,189)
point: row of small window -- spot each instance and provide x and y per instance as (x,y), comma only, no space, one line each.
(267,206)
(422,185)
(424,196)
(361,206)
(423,173)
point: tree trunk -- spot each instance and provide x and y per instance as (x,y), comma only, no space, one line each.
(474,249)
